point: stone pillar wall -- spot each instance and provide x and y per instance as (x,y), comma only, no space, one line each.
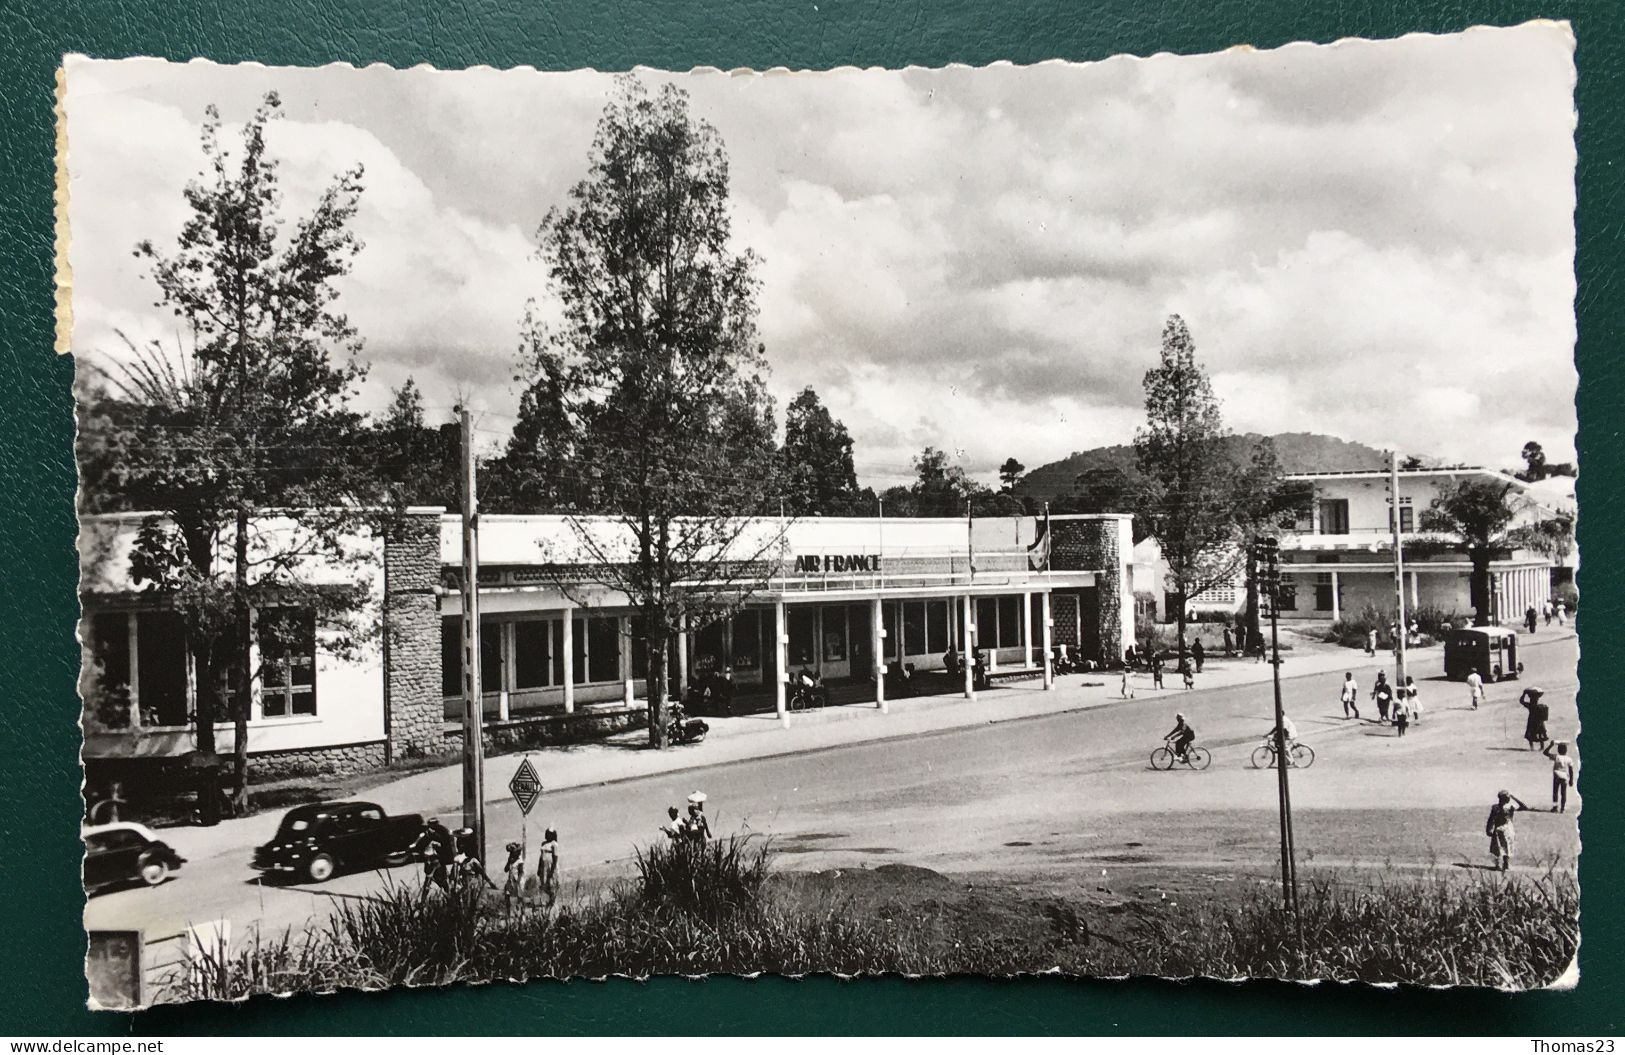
(412,635)
(1104,545)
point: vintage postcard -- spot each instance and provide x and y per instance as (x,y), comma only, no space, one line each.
(1110,518)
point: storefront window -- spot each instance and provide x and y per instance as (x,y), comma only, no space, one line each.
(914,643)
(604,649)
(803,624)
(747,645)
(451,655)
(532,654)
(162,657)
(987,622)
(894,644)
(109,689)
(1010,622)
(834,635)
(936,626)
(490,657)
(711,647)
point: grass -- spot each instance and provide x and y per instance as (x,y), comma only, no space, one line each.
(696,910)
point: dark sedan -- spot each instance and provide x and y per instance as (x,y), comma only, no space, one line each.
(120,854)
(319,840)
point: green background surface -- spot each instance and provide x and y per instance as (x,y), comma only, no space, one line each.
(41,984)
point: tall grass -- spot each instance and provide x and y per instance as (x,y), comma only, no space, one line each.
(699,910)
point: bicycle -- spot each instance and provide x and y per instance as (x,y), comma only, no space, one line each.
(1299,756)
(1195,757)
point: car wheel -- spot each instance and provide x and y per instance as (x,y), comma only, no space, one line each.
(154,870)
(321,868)
(396,860)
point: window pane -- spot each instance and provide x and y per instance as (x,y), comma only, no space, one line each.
(747,647)
(1009,622)
(578,649)
(914,628)
(451,655)
(889,614)
(936,625)
(161,648)
(802,622)
(490,656)
(287,644)
(532,653)
(710,646)
(109,686)
(604,649)
(834,634)
(987,622)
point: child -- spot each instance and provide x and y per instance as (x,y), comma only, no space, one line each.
(1562,774)
(1185,670)
(1413,701)
(1475,688)
(1402,711)
(515,870)
(1128,686)
(1350,695)
(547,866)
(1383,693)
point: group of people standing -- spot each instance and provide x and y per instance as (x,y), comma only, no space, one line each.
(1155,660)
(690,828)
(1397,705)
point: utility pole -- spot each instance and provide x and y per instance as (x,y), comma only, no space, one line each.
(473,716)
(1268,559)
(1399,571)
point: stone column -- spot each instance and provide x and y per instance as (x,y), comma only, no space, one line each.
(877,634)
(569,648)
(413,707)
(1337,604)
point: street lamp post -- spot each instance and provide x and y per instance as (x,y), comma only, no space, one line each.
(1268,561)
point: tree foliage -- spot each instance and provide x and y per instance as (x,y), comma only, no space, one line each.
(819,475)
(657,370)
(252,416)
(1486,518)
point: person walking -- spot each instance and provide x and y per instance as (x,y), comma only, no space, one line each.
(1546,611)
(1413,699)
(1371,642)
(1499,827)
(1529,618)
(1350,695)
(1562,774)
(1158,665)
(674,829)
(1229,642)
(699,829)
(1187,673)
(1562,613)
(1402,712)
(1534,729)
(1199,653)
(1383,693)
(1475,687)
(1126,691)
(547,866)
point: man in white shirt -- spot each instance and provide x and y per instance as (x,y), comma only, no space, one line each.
(1350,696)
(1475,688)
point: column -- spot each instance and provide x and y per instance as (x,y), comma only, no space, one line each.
(507,638)
(1049,648)
(629,695)
(877,631)
(682,656)
(968,632)
(781,642)
(1027,629)
(569,658)
(1416,593)
(135,670)
(1337,601)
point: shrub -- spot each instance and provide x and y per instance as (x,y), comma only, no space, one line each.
(1567,593)
(703,878)
(1351,630)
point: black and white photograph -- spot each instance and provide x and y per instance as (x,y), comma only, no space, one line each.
(1102,519)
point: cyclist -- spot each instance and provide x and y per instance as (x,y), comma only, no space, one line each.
(1181,737)
(1286,727)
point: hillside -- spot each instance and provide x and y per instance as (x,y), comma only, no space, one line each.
(1298,451)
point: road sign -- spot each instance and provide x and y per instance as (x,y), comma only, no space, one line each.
(526,786)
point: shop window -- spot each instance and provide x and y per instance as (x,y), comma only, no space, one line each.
(532,654)
(803,630)
(162,658)
(890,615)
(987,622)
(109,655)
(936,627)
(287,640)
(603,648)
(1010,622)
(834,635)
(711,647)
(747,644)
(914,623)
(490,657)
(451,655)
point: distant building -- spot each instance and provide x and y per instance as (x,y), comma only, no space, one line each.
(1340,558)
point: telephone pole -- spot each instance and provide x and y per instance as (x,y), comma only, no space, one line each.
(473,716)
(1267,558)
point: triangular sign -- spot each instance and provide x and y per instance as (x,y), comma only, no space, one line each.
(526,786)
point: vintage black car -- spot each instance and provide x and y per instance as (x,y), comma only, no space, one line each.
(120,854)
(318,840)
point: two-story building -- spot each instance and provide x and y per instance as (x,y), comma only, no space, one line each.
(1340,558)
(843,597)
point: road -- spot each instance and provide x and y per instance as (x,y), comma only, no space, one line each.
(1057,796)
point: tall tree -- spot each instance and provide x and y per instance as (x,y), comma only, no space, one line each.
(539,470)
(819,474)
(417,463)
(254,418)
(1534,460)
(1478,516)
(1010,474)
(940,488)
(1188,501)
(1266,502)
(660,370)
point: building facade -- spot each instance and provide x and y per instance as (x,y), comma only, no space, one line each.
(842,597)
(1340,559)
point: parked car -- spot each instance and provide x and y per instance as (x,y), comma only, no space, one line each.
(315,841)
(1490,650)
(118,854)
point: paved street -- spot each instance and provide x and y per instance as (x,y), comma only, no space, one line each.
(1062,794)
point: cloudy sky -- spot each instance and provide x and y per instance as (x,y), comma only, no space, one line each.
(1371,240)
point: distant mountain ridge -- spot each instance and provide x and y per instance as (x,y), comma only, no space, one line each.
(1300,452)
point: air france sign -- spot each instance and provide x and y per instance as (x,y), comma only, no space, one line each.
(837,563)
